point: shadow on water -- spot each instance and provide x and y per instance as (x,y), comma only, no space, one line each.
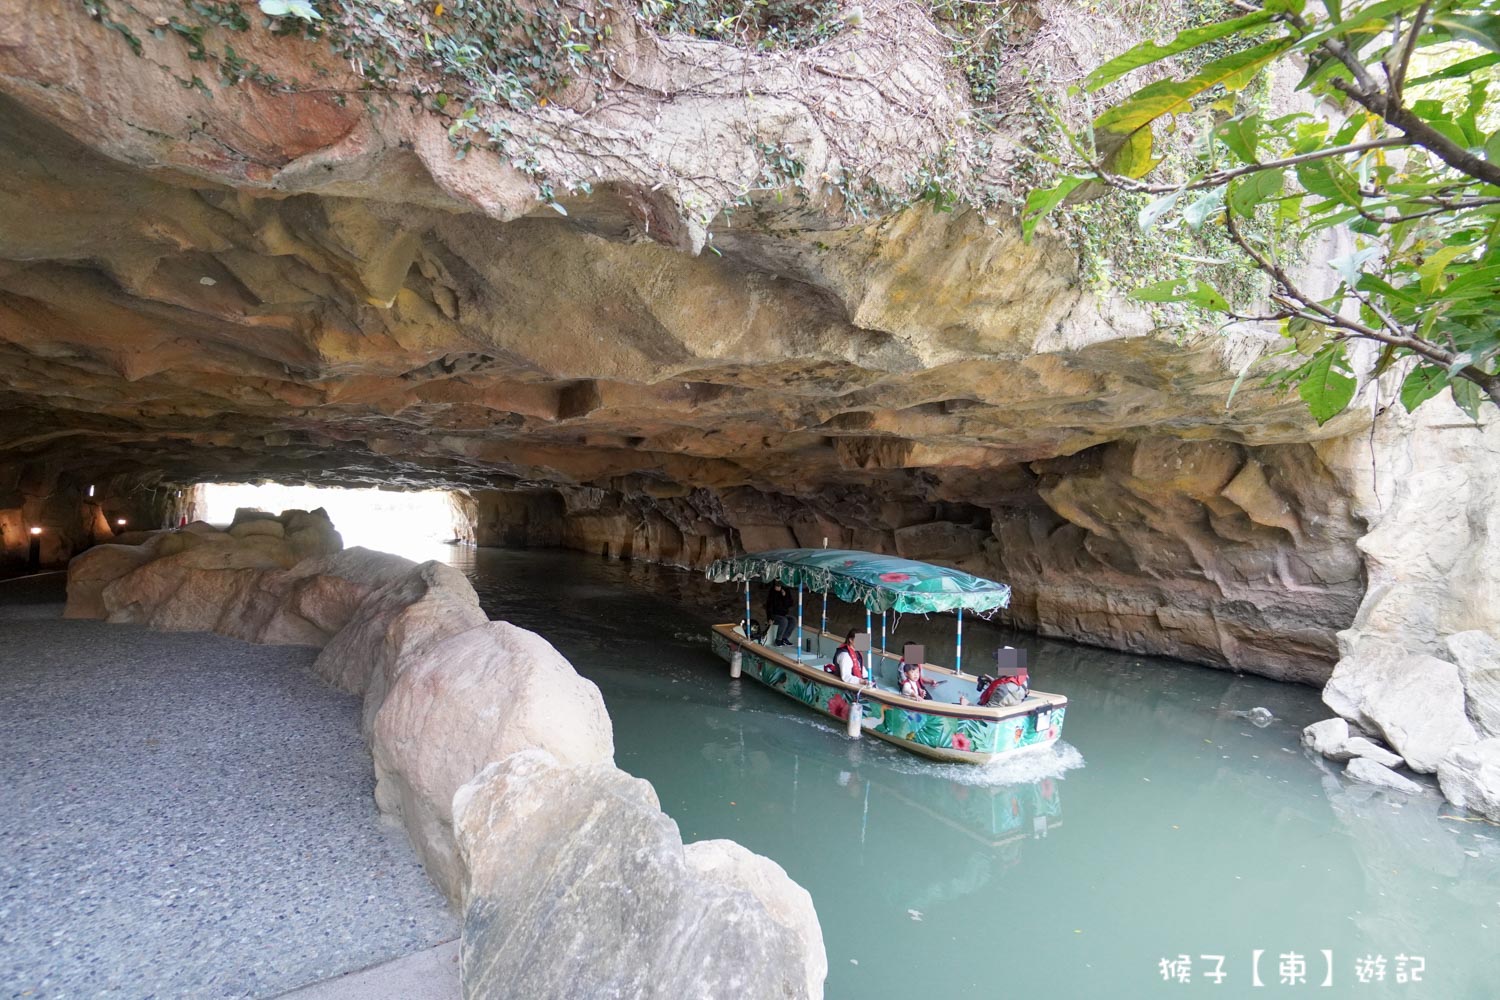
(1168,824)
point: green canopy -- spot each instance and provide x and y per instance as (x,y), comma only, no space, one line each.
(880,583)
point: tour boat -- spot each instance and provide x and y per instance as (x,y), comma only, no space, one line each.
(939,727)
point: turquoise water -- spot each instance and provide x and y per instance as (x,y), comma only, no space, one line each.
(1165,825)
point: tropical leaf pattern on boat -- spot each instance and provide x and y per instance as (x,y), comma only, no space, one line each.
(803,690)
(931,732)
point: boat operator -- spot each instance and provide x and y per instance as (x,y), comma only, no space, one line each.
(779,613)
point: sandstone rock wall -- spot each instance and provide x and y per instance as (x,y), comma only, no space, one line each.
(74,513)
(1217,553)
(248,279)
(496,756)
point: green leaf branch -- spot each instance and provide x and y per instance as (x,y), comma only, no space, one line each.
(1411,171)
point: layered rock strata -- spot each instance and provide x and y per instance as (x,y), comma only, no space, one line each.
(1209,551)
(274,278)
(498,760)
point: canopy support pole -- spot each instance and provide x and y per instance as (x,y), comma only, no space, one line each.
(882,633)
(825,613)
(958,645)
(747,607)
(867,619)
(799,623)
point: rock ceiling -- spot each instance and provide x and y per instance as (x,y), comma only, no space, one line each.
(259,284)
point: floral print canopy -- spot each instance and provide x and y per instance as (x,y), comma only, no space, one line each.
(880,583)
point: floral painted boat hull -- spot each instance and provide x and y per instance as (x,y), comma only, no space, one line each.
(940,730)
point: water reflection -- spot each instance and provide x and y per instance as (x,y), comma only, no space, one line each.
(1189,829)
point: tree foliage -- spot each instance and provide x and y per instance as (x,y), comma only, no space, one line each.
(1396,161)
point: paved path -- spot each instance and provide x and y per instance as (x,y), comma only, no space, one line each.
(427,975)
(184,815)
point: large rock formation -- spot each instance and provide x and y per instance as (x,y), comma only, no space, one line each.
(663,312)
(661,921)
(505,689)
(259,275)
(1470,777)
(451,701)
(1419,663)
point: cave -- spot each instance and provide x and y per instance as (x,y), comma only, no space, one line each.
(619,339)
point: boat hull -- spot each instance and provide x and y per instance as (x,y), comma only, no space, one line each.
(938,730)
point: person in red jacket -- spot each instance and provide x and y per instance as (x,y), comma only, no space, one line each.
(1009,689)
(847,661)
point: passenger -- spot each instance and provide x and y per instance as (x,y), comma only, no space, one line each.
(779,611)
(913,684)
(1004,691)
(847,661)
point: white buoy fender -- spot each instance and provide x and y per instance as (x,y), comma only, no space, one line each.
(856,712)
(736,659)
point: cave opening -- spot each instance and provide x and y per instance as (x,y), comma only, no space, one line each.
(417,524)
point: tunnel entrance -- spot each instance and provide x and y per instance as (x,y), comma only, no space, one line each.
(417,524)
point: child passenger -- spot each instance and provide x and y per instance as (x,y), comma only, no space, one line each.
(912,684)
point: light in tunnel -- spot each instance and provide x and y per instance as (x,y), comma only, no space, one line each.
(120,522)
(415,524)
(36,531)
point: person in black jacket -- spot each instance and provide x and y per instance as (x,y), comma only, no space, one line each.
(779,612)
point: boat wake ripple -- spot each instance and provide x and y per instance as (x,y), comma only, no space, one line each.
(1024,768)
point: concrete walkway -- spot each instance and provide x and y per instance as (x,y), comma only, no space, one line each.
(185,815)
(427,975)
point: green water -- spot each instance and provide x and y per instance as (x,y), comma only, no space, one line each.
(1166,825)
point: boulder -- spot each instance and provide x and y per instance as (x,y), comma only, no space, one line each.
(1371,773)
(254,552)
(170,595)
(191,588)
(93,570)
(468,700)
(1477,654)
(1332,739)
(1327,737)
(312,542)
(135,537)
(1470,777)
(1414,701)
(296,520)
(579,886)
(257,611)
(310,603)
(246,515)
(391,626)
(368,568)
(257,526)
(1359,746)
(310,533)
